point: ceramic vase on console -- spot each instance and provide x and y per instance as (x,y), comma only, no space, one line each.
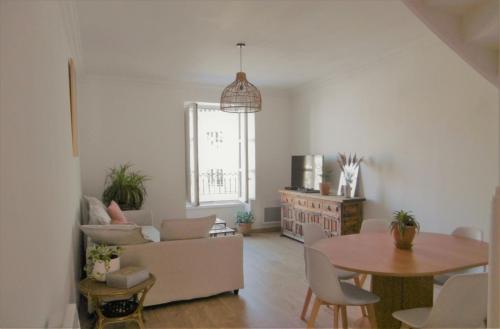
(347,190)
(325,188)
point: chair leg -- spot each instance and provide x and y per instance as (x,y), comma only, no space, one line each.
(314,312)
(336,310)
(371,316)
(362,279)
(343,308)
(358,283)
(306,304)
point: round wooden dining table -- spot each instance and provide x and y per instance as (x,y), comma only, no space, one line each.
(402,279)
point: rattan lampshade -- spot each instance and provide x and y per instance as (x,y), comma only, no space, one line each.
(241,96)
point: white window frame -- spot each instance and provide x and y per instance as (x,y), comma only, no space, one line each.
(192,154)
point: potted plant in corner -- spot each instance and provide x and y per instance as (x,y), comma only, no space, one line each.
(102,259)
(244,220)
(125,187)
(325,185)
(404,227)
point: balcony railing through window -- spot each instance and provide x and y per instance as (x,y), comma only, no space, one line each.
(216,184)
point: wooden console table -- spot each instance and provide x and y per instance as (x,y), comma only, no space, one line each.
(337,215)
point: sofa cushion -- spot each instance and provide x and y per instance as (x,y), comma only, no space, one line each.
(150,233)
(186,228)
(118,235)
(116,214)
(97,214)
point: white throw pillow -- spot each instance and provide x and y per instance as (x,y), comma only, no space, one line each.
(118,235)
(97,212)
(186,228)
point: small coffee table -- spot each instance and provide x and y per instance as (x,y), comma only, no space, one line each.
(220,228)
(98,293)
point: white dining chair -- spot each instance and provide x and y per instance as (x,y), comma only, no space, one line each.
(462,303)
(329,290)
(312,233)
(462,232)
(372,226)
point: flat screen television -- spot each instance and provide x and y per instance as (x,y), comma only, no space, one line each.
(307,171)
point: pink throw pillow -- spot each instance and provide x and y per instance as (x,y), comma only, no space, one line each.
(116,214)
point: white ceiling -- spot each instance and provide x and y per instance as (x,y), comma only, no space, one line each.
(288,42)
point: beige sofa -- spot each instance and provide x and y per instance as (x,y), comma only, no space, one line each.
(185,269)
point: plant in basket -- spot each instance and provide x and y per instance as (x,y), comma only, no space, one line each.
(244,220)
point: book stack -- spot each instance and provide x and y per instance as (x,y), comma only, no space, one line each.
(127,277)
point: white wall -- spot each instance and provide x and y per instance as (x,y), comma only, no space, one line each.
(427,125)
(143,122)
(40,179)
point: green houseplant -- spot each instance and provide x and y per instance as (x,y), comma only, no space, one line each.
(125,187)
(244,220)
(102,259)
(404,227)
(325,185)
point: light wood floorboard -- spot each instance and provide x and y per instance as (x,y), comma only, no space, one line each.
(273,296)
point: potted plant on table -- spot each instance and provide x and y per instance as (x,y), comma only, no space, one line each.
(244,220)
(102,259)
(404,227)
(125,187)
(325,185)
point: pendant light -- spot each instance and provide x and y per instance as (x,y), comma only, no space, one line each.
(241,96)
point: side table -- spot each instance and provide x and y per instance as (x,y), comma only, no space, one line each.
(97,292)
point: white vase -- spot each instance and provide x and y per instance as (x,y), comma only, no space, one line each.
(99,271)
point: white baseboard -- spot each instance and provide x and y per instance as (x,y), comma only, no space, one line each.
(71,320)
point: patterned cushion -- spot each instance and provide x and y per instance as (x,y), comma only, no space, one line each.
(97,212)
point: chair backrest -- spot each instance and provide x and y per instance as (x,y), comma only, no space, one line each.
(468,232)
(311,233)
(462,302)
(375,225)
(322,278)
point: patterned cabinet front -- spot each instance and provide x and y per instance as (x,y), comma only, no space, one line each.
(337,215)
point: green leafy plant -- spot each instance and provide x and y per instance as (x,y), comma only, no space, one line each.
(403,219)
(326,175)
(244,217)
(101,252)
(125,187)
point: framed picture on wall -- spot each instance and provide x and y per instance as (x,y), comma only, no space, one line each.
(72,103)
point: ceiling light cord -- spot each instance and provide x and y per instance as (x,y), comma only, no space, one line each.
(241,45)
(241,59)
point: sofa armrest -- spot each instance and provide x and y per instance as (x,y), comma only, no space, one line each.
(140,217)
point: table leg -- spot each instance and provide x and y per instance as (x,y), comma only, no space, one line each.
(398,293)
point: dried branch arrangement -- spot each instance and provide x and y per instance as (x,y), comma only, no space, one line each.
(349,164)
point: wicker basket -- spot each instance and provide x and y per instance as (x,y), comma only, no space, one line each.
(119,308)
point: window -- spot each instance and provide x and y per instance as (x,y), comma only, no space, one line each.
(220,155)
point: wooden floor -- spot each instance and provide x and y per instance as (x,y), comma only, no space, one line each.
(274,292)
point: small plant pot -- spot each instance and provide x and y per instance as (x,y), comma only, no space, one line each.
(405,240)
(325,188)
(245,228)
(99,271)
